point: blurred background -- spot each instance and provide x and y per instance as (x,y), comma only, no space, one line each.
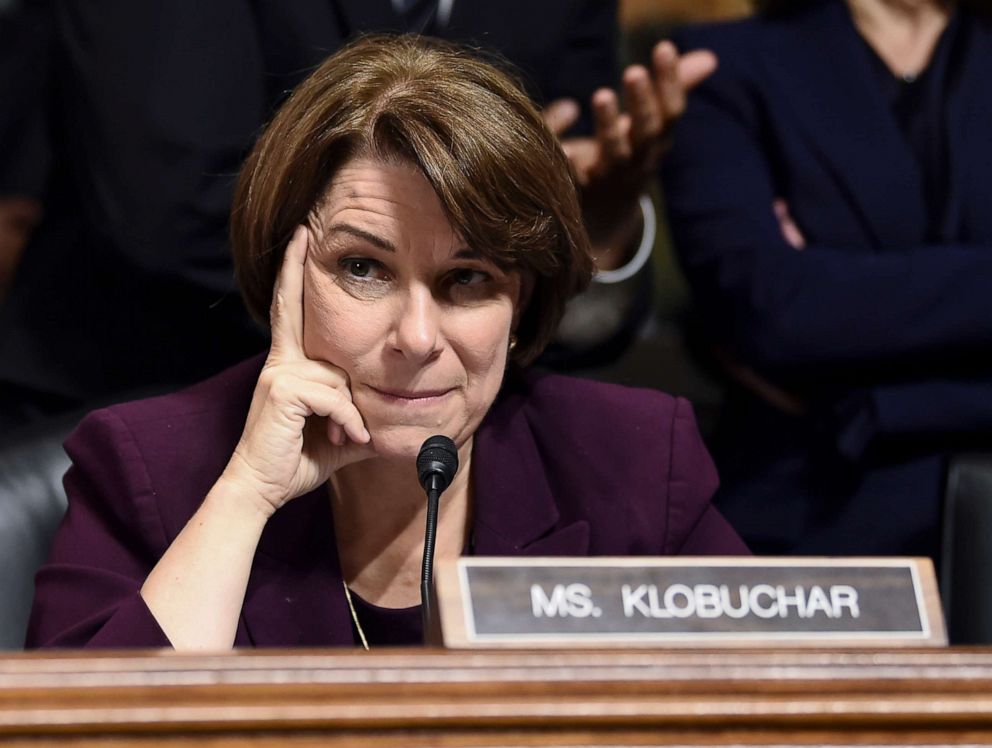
(665,357)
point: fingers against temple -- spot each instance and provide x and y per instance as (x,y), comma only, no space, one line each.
(286,316)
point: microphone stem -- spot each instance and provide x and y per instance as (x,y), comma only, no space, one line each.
(427,571)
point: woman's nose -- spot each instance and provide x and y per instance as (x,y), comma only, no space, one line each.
(417,330)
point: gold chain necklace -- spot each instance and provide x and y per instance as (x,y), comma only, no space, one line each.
(354,615)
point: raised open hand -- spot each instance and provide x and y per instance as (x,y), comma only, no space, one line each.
(616,164)
(302,425)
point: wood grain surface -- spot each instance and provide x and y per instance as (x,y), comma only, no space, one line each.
(489,698)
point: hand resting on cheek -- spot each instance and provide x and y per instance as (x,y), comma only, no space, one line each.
(302,425)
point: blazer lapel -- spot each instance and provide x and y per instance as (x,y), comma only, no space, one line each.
(515,509)
(295,595)
(823,74)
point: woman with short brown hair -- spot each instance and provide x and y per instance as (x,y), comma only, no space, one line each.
(429,103)
(410,225)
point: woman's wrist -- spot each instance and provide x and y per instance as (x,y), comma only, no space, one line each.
(238,496)
(197,588)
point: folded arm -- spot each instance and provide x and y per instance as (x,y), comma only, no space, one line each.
(891,329)
(825,310)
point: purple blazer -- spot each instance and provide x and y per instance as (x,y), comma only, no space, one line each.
(563,467)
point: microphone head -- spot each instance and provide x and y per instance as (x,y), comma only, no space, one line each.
(438,457)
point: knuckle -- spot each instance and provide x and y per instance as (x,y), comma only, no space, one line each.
(269,376)
(281,390)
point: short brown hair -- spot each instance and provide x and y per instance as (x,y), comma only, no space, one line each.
(498,171)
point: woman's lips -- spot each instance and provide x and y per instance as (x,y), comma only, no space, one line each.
(412,397)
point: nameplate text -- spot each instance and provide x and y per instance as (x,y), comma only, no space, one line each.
(692,601)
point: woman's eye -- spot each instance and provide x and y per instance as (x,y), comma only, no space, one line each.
(361,268)
(468,277)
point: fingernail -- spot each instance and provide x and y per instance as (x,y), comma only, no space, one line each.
(602,98)
(636,74)
(568,108)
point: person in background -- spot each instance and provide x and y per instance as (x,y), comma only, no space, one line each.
(23,151)
(828,197)
(150,111)
(409,228)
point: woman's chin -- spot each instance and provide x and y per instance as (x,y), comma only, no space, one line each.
(401,442)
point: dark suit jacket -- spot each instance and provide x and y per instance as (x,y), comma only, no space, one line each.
(151,107)
(886,336)
(561,467)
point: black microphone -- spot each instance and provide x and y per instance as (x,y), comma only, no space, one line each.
(437,464)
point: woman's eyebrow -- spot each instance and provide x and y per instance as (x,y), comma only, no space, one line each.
(464,253)
(347,228)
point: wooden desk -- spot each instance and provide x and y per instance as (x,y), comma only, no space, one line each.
(431,697)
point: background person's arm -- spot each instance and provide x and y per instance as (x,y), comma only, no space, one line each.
(899,340)
(26,58)
(824,311)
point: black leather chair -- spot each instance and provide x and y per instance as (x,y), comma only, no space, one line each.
(32,503)
(966,566)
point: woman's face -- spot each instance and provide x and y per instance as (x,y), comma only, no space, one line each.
(418,321)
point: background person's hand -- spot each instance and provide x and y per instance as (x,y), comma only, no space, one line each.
(787,225)
(615,166)
(18,218)
(302,425)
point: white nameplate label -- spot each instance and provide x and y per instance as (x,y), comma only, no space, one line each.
(569,602)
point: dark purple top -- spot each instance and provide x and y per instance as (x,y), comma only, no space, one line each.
(562,467)
(387,626)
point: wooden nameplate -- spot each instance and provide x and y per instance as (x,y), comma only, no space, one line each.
(689,601)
